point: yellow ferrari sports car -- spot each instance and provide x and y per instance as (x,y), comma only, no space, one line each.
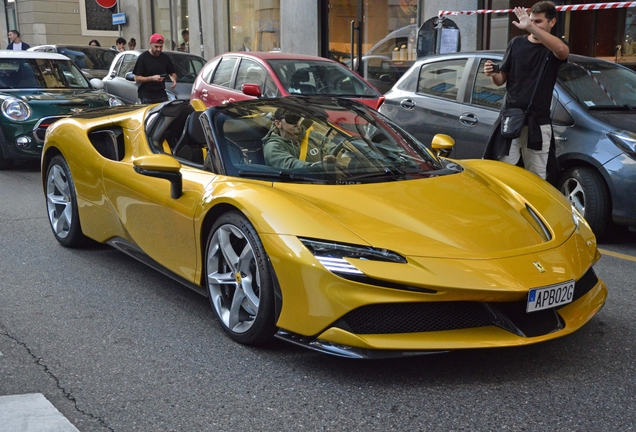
(320,222)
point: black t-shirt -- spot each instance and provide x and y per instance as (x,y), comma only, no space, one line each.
(149,65)
(522,62)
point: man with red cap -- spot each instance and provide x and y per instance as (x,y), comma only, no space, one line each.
(151,70)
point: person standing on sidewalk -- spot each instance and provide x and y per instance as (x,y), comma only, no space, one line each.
(522,64)
(16,43)
(151,70)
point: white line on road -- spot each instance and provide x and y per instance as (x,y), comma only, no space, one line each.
(32,413)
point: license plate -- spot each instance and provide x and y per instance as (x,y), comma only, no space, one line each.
(549,297)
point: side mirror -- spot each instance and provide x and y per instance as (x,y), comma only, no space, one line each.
(442,145)
(251,90)
(163,167)
(97,84)
(130,76)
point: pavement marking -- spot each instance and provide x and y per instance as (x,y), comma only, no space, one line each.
(32,413)
(617,255)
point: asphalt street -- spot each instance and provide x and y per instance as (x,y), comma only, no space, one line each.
(115,346)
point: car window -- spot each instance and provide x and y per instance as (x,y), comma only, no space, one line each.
(223,73)
(270,90)
(485,93)
(596,83)
(208,70)
(41,73)
(441,78)
(317,77)
(127,65)
(118,65)
(249,72)
(187,67)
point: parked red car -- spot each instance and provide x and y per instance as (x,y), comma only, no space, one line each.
(239,76)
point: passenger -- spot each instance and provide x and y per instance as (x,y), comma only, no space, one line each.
(288,144)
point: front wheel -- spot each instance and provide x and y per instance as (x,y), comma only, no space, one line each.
(586,190)
(61,203)
(239,280)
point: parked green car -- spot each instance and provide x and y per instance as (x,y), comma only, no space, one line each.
(37,89)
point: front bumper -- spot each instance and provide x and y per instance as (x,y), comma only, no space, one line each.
(433,305)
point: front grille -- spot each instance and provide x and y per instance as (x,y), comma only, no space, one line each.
(415,317)
(437,316)
(585,284)
(40,128)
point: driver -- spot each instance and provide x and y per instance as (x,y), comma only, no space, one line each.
(289,144)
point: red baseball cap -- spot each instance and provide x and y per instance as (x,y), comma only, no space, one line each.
(156,38)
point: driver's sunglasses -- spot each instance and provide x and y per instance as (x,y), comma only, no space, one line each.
(292,119)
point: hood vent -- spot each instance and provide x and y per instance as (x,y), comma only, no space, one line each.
(537,223)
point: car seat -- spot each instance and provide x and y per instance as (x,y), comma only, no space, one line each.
(192,141)
(300,83)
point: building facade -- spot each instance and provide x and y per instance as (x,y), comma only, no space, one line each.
(317,27)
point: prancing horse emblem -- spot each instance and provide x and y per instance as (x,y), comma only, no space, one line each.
(539,267)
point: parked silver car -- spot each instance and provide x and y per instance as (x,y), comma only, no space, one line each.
(594,118)
(120,81)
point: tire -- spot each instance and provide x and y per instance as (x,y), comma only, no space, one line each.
(61,204)
(586,190)
(239,280)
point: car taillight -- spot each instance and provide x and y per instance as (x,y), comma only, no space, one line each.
(380,102)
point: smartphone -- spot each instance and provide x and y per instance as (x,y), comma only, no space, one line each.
(495,68)
(163,75)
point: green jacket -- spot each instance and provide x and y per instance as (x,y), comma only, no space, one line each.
(284,153)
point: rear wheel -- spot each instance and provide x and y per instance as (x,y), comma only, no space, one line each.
(61,203)
(239,280)
(586,190)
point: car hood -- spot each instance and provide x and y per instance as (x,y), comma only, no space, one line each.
(625,120)
(59,102)
(85,96)
(466,215)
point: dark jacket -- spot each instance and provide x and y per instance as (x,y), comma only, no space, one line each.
(498,147)
(25,46)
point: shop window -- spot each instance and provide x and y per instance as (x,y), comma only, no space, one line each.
(255,25)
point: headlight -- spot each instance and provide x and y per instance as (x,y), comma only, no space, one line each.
(332,255)
(16,110)
(625,141)
(577,217)
(113,101)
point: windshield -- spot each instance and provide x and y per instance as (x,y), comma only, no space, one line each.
(318,143)
(41,74)
(597,83)
(315,77)
(86,57)
(186,66)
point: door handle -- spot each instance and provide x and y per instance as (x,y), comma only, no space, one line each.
(407,104)
(468,119)
(560,139)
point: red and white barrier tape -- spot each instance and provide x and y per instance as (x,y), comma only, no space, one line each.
(562,8)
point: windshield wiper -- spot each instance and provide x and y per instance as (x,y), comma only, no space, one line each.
(278,175)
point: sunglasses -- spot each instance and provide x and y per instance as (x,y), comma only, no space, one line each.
(292,119)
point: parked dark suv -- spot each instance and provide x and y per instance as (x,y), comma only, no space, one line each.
(594,117)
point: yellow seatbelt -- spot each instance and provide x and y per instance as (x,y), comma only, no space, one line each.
(304,144)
